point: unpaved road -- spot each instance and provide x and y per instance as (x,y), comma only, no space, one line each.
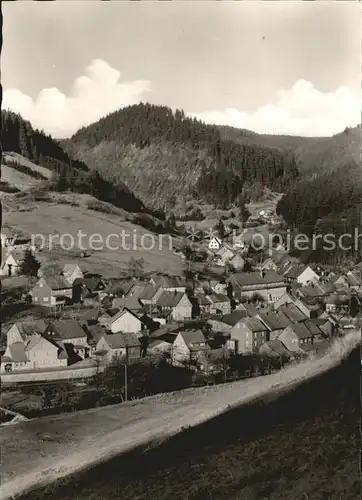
(42,450)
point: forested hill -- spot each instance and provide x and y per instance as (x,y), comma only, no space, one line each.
(168,158)
(18,136)
(328,197)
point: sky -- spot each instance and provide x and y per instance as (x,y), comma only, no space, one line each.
(272,67)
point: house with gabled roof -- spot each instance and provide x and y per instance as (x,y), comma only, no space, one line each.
(52,291)
(14,358)
(276,348)
(21,331)
(176,305)
(220,303)
(118,346)
(36,353)
(293,313)
(189,349)
(269,285)
(131,303)
(71,272)
(45,353)
(300,273)
(295,335)
(150,294)
(275,322)
(249,334)
(169,283)
(224,255)
(11,263)
(69,331)
(127,321)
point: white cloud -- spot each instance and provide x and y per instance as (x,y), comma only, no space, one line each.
(94,95)
(301,110)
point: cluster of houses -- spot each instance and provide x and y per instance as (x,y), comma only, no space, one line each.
(286,311)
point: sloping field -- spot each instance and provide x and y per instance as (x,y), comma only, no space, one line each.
(15,159)
(63,445)
(64,219)
(18,179)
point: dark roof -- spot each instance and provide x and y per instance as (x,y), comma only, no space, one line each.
(234,317)
(218,297)
(277,348)
(131,303)
(254,278)
(312,325)
(169,299)
(301,331)
(255,325)
(194,337)
(28,328)
(120,340)
(292,312)
(57,282)
(294,271)
(250,309)
(169,281)
(96,332)
(274,320)
(17,352)
(68,329)
(148,292)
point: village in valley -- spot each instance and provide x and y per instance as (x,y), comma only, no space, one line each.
(238,313)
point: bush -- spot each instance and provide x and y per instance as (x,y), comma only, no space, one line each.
(5,187)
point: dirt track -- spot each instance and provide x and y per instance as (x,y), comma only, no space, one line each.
(61,445)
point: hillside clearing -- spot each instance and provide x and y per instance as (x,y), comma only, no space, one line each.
(63,218)
(17,179)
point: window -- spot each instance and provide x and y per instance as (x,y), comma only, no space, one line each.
(46,299)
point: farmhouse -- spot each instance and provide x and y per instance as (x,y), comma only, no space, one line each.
(23,330)
(300,273)
(52,291)
(275,322)
(71,272)
(11,264)
(37,353)
(219,303)
(118,345)
(249,334)
(69,331)
(269,285)
(169,283)
(189,349)
(126,321)
(294,336)
(175,305)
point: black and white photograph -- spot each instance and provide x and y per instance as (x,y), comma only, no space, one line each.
(181,250)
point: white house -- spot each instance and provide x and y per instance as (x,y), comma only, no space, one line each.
(189,348)
(71,272)
(125,321)
(176,304)
(300,273)
(214,243)
(11,263)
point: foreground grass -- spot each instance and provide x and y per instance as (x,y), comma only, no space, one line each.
(303,445)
